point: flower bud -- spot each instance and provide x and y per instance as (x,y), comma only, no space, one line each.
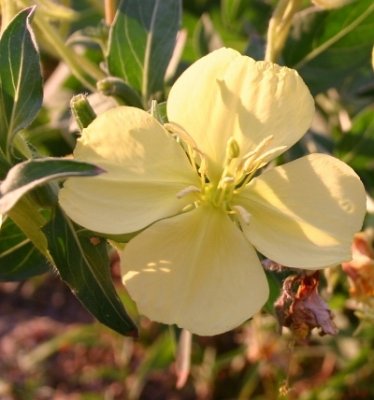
(82,111)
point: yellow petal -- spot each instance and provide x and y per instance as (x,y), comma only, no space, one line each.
(225,95)
(145,170)
(195,270)
(304,214)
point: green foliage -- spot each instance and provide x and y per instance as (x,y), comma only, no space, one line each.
(27,175)
(83,264)
(141,43)
(21,90)
(19,258)
(27,216)
(330,47)
(120,90)
(356,147)
(25,249)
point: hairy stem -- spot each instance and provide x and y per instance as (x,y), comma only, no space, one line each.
(279,26)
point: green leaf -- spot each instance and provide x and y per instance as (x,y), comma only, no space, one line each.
(19,259)
(356,147)
(27,175)
(230,11)
(274,290)
(160,112)
(21,92)
(329,46)
(141,43)
(83,264)
(26,215)
(4,167)
(245,16)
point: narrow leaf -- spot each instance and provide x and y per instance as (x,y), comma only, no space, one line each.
(230,10)
(25,214)
(141,43)
(83,265)
(21,91)
(356,147)
(27,175)
(19,258)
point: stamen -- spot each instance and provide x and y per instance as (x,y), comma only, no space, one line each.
(232,150)
(251,157)
(189,207)
(255,166)
(243,213)
(187,190)
(259,162)
(153,109)
(270,154)
(203,170)
(181,133)
(256,159)
(195,155)
(258,149)
(227,179)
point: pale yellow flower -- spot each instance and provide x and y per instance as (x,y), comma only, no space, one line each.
(203,206)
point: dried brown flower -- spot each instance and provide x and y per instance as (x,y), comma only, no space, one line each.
(301,308)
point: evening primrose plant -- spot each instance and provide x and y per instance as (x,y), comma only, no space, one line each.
(205,197)
(200,148)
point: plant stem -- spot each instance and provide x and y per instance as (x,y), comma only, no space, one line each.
(110,11)
(279,26)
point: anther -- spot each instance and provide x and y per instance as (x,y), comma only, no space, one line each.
(181,133)
(243,213)
(187,190)
(232,149)
(227,179)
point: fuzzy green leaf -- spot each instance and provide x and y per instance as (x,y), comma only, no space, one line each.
(27,175)
(26,215)
(21,92)
(19,258)
(329,46)
(141,43)
(83,264)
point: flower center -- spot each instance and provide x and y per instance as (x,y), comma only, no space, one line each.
(218,195)
(237,172)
